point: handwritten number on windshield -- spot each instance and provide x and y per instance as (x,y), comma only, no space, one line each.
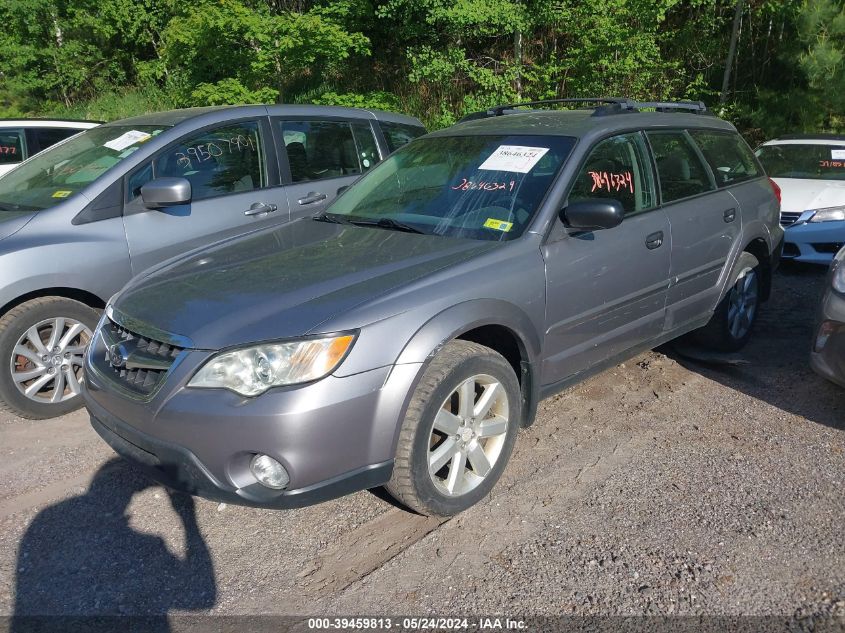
(469,185)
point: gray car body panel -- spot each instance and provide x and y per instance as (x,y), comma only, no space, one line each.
(828,359)
(571,302)
(48,251)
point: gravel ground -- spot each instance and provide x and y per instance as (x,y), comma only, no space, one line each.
(665,485)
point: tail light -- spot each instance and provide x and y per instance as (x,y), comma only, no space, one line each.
(776,189)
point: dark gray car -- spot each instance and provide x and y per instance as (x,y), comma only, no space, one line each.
(827,357)
(80,219)
(406,334)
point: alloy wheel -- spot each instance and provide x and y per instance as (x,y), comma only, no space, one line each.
(743,303)
(46,361)
(468,435)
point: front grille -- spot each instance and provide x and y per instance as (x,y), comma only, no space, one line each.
(137,363)
(789,217)
(828,247)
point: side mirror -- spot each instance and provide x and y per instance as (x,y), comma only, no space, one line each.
(165,192)
(593,215)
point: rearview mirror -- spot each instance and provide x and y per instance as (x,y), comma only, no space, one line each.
(593,215)
(166,192)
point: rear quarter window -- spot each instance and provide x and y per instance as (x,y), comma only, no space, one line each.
(399,134)
(730,159)
(11,146)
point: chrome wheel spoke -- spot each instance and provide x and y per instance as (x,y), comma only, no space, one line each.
(446,422)
(456,471)
(493,426)
(72,381)
(23,350)
(34,338)
(23,376)
(466,399)
(478,460)
(55,335)
(488,397)
(72,332)
(58,387)
(35,387)
(442,454)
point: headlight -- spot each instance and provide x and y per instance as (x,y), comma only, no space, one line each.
(250,371)
(839,276)
(829,214)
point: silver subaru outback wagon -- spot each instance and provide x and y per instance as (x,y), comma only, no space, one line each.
(403,336)
(80,219)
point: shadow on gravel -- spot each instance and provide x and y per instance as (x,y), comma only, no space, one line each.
(80,563)
(775,365)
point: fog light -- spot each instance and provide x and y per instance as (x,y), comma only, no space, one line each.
(825,330)
(269,472)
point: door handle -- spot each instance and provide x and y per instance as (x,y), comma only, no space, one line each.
(729,215)
(312,197)
(655,240)
(258,208)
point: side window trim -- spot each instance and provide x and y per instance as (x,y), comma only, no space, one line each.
(358,150)
(703,160)
(213,126)
(276,123)
(651,169)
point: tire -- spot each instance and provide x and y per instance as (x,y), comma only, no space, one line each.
(483,444)
(723,331)
(27,366)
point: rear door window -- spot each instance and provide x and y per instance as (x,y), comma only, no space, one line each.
(399,134)
(729,157)
(680,170)
(617,168)
(223,160)
(11,146)
(319,150)
(44,137)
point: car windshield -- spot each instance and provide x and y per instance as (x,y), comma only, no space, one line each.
(479,187)
(794,160)
(59,172)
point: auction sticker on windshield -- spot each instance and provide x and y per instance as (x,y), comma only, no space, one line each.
(515,158)
(837,154)
(126,139)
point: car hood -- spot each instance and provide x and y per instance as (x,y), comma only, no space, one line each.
(281,283)
(801,194)
(13,221)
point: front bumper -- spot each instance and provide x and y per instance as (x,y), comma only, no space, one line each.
(813,243)
(333,436)
(827,357)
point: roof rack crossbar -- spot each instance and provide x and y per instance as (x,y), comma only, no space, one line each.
(500,109)
(607,105)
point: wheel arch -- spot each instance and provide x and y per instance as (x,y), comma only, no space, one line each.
(83,296)
(499,325)
(760,249)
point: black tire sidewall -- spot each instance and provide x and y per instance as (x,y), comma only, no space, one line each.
(27,315)
(726,341)
(433,499)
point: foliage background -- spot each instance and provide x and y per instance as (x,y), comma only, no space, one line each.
(437,59)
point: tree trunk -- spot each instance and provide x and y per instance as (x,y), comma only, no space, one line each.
(731,52)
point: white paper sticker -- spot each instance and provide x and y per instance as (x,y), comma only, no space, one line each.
(837,154)
(516,158)
(126,139)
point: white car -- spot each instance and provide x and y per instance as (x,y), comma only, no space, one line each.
(810,171)
(22,138)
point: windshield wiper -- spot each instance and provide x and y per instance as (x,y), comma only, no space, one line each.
(333,218)
(387,223)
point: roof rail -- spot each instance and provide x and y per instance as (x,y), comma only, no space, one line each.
(604,106)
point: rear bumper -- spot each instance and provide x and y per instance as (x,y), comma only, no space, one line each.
(178,468)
